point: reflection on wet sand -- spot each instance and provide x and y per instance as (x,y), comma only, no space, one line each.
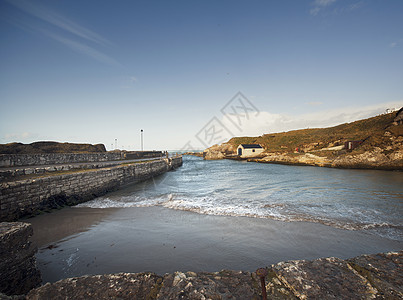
(52,227)
(161,240)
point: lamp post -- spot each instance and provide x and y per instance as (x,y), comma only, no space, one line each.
(141,139)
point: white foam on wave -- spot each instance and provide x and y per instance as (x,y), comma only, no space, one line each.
(124,202)
(277,211)
(211,206)
(226,206)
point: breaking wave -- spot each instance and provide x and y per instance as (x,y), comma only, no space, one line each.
(277,211)
(347,199)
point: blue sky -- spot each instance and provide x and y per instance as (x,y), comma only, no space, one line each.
(95,71)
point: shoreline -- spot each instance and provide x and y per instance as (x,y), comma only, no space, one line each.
(162,240)
(345,167)
(365,276)
(315,161)
(352,162)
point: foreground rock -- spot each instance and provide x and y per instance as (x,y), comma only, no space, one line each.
(364,277)
(18,272)
(117,286)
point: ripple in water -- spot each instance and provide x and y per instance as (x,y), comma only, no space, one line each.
(348,199)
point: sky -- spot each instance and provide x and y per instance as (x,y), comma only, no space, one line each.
(192,73)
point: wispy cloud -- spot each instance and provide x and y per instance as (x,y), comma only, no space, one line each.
(59,21)
(314,103)
(318,5)
(79,38)
(19,136)
(84,49)
(129,82)
(356,5)
(349,8)
(267,122)
(396,43)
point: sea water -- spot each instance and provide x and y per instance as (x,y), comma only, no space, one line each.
(214,215)
(366,200)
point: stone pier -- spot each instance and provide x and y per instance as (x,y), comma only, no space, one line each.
(28,196)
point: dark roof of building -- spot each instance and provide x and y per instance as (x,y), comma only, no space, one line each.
(248,146)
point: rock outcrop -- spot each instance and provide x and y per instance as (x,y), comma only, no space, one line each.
(376,159)
(376,276)
(378,144)
(219,151)
(115,286)
(18,272)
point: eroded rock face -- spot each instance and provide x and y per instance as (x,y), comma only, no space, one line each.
(18,272)
(383,271)
(219,151)
(115,286)
(203,285)
(376,276)
(323,278)
(375,159)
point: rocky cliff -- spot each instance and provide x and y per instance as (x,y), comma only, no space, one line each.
(219,151)
(378,144)
(375,159)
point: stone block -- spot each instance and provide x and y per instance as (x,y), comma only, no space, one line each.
(18,265)
(383,271)
(325,278)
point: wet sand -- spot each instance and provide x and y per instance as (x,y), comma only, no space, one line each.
(79,241)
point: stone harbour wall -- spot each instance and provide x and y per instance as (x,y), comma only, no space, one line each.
(14,160)
(18,272)
(30,196)
(12,174)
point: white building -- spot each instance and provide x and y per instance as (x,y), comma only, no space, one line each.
(249,150)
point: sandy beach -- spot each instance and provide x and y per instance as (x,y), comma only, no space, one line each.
(79,241)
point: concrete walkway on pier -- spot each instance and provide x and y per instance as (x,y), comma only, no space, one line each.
(12,173)
(78,164)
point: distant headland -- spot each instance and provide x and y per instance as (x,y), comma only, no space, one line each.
(373,143)
(50,147)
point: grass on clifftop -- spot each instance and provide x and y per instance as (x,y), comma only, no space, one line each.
(372,129)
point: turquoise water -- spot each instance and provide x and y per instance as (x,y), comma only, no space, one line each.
(367,200)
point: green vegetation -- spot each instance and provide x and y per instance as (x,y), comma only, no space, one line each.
(370,130)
